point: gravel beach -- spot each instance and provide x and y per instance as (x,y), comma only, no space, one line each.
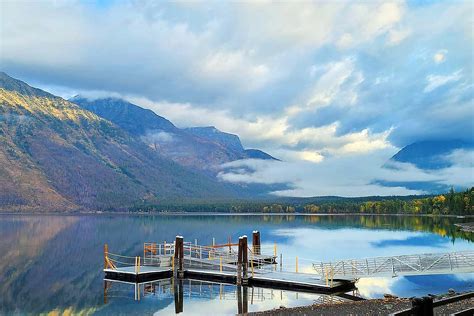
(368,307)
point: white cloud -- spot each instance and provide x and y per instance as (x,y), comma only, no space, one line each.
(436,81)
(310,155)
(350,176)
(154,137)
(345,41)
(329,84)
(370,287)
(274,131)
(223,65)
(397,36)
(461,157)
(440,56)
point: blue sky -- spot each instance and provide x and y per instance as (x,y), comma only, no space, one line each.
(318,84)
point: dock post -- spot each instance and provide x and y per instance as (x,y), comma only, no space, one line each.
(179,254)
(245,300)
(178,296)
(274,256)
(239,298)
(106,253)
(245,260)
(239,262)
(251,264)
(281,261)
(422,306)
(256,242)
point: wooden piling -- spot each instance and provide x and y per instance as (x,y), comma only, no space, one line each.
(239,300)
(106,252)
(256,242)
(281,262)
(422,306)
(245,260)
(179,255)
(239,261)
(245,300)
(178,296)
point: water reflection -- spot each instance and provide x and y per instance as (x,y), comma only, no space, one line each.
(187,294)
(53,263)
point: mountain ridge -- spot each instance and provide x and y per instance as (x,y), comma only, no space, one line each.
(56,155)
(200,148)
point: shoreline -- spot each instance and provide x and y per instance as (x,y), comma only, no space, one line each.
(184,213)
(379,306)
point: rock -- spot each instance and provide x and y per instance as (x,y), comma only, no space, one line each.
(389,296)
(451,292)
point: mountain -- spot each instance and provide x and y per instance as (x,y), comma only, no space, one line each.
(229,141)
(431,154)
(126,115)
(427,155)
(201,148)
(55,155)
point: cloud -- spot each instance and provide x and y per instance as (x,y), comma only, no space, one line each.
(306,143)
(440,56)
(329,86)
(156,137)
(236,65)
(436,81)
(397,36)
(356,175)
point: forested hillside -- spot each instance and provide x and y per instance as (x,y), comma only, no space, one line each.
(56,156)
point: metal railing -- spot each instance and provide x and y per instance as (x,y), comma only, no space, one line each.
(223,257)
(428,263)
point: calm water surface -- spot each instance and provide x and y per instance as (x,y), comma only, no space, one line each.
(54,263)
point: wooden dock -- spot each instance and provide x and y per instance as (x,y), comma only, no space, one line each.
(216,263)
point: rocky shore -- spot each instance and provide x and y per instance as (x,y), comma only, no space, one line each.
(383,306)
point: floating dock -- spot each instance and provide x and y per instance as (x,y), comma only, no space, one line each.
(228,263)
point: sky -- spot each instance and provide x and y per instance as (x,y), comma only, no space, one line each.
(332,88)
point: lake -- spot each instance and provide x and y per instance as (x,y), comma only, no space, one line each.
(54,263)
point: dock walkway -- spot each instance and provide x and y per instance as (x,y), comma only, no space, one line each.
(392,266)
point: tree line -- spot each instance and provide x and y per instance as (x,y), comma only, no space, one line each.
(450,203)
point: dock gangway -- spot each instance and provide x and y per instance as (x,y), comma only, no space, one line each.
(417,264)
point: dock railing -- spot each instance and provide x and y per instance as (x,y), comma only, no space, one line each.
(223,257)
(428,263)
